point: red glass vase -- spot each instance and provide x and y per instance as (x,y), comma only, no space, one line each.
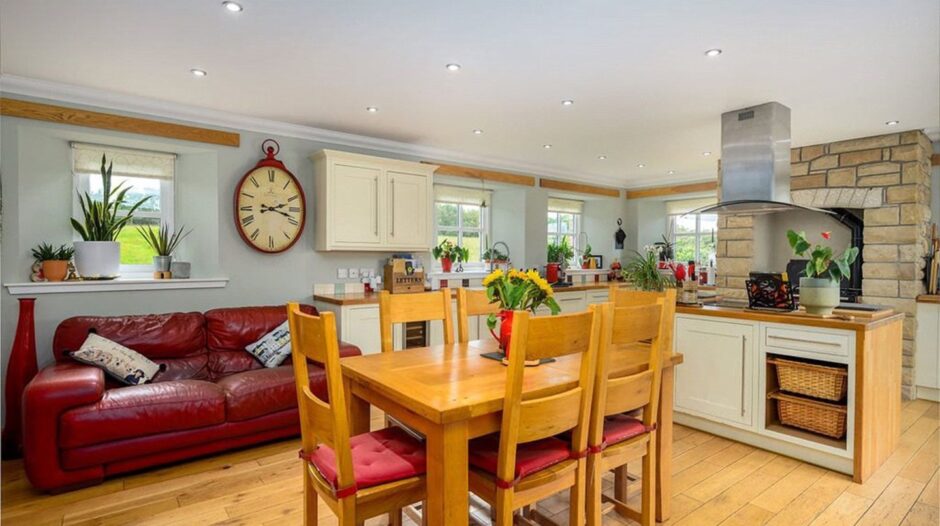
(505,331)
(446,264)
(20,370)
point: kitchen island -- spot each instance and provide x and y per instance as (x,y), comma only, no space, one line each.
(729,374)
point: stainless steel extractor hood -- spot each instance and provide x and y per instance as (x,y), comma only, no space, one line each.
(755,162)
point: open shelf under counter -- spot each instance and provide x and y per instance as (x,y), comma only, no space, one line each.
(116,285)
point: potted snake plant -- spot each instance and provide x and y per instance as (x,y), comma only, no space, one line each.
(98,254)
(163,241)
(54,261)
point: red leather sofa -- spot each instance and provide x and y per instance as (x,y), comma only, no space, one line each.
(79,426)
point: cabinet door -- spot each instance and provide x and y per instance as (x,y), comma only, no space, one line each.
(715,380)
(569,302)
(361,328)
(597,296)
(356,205)
(408,210)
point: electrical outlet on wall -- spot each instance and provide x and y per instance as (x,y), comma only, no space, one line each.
(353,273)
(366,272)
(342,273)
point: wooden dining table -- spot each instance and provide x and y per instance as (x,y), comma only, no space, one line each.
(451,395)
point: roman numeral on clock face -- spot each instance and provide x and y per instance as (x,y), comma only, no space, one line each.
(270,176)
(246,194)
(270,241)
(254,235)
(247,220)
(292,221)
(293,197)
(294,209)
(246,208)
(254,181)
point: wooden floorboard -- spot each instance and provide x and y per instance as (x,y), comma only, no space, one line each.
(716,481)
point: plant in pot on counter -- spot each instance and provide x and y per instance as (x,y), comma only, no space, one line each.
(644,272)
(558,254)
(512,291)
(495,256)
(587,259)
(449,253)
(819,285)
(163,241)
(54,261)
(98,255)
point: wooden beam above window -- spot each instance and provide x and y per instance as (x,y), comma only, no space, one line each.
(579,188)
(481,174)
(107,121)
(680,189)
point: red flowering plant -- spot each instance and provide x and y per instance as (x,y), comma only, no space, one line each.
(822,262)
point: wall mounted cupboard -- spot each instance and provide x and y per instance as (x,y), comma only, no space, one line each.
(367,203)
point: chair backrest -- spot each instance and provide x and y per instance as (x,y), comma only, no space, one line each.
(471,303)
(530,418)
(622,328)
(405,308)
(622,297)
(321,422)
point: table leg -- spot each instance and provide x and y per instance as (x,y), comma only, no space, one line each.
(359,411)
(447,477)
(664,446)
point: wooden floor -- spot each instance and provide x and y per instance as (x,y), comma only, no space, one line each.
(716,481)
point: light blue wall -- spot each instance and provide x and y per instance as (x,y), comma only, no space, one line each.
(37,203)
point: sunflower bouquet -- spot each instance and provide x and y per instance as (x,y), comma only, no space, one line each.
(518,290)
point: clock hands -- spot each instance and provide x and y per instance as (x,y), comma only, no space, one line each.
(265,208)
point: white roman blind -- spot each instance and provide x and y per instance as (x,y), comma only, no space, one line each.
(568,206)
(462,195)
(684,206)
(86,158)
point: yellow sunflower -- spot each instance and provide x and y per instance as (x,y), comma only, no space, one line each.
(493,276)
(517,274)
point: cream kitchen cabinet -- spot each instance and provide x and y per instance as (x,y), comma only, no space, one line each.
(367,203)
(359,325)
(927,358)
(716,380)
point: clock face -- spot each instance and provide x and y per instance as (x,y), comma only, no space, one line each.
(270,209)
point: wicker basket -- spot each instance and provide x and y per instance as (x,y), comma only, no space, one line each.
(809,379)
(811,415)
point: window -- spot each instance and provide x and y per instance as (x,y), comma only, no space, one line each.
(147,174)
(460,216)
(564,220)
(693,236)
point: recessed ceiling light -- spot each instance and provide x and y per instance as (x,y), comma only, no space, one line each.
(198,72)
(602,157)
(547,146)
(234,7)
(706,154)
(641,165)
(371,109)
(453,67)
(672,172)
(714,52)
(893,123)
(567,102)
(478,132)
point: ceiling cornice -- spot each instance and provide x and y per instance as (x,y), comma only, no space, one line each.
(98,98)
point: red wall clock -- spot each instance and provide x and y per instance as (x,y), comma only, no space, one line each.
(270,207)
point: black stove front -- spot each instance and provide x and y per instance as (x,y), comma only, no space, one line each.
(851,289)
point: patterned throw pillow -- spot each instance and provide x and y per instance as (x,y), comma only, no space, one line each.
(273,348)
(126,365)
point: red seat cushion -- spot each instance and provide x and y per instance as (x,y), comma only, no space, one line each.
(618,428)
(530,456)
(141,410)
(378,457)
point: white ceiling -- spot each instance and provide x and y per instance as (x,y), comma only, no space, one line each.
(644,92)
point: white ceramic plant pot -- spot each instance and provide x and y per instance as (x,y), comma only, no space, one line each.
(97,259)
(162,263)
(819,295)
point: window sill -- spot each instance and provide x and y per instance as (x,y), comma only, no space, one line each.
(118,285)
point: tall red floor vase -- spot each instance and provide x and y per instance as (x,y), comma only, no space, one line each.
(20,370)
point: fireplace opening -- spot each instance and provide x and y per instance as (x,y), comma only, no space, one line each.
(851,288)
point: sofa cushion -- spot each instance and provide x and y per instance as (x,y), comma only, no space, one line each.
(229,331)
(176,340)
(142,410)
(273,348)
(251,394)
(125,365)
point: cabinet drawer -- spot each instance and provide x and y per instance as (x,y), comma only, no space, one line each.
(807,340)
(598,296)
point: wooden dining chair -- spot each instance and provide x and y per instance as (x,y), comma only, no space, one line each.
(360,476)
(622,297)
(420,306)
(525,462)
(616,438)
(471,303)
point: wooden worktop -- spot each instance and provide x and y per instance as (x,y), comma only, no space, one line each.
(856,324)
(369,298)
(928,298)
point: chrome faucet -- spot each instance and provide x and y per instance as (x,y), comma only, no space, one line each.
(493,251)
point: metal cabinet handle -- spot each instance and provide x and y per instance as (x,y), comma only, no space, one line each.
(376,205)
(393,206)
(743,369)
